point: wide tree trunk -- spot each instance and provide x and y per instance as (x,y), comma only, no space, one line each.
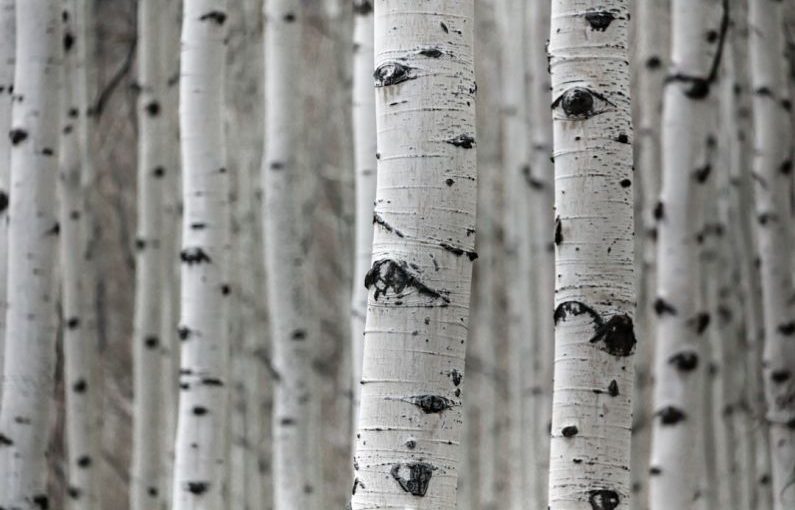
(409,428)
(32,233)
(772,171)
(201,451)
(594,287)
(7,48)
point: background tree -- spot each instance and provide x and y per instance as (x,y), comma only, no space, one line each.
(7,47)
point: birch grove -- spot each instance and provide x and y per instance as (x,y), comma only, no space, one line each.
(397,254)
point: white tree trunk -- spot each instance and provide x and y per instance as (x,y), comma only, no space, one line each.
(200,464)
(772,167)
(7,48)
(364,149)
(79,340)
(33,233)
(409,428)
(594,291)
(149,434)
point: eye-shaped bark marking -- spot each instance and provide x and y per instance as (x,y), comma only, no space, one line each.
(575,308)
(216,16)
(671,415)
(392,73)
(419,477)
(618,335)
(192,256)
(464,141)
(431,404)
(599,20)
(197,488)
(362,7)
(431,52)
(604,499)
(388,274)
(579,103)
(684,361)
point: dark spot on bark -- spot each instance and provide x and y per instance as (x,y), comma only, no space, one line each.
(140,244)
(418,480)
(73,323)
(47,151)
(153,109)
(622,138)
(625,183)
(659,211)
(152,491)
(558,231)
(151,342)
(654,470)
(392,73)
(216,16)
(765,218)
(444,27)
(378,220)
(780,376)
(471,255)
(431,404)
(74,492)
(356,484)
(55,230)
(3,201)
(276,165)
(577,103)
(388,274)
(684,361)
(68,41)
(198,226)
(159,172)
(200,411)
(192,256)
(41,501)
(662,307)
(456,375)
(464,141)
(84,461)
(183,332)
(763,92)
(764,479)
(612,389)
(212,381)
(702,174)
(362,7)
(197,488)
(298,334)
(17,136)
(700,322)
(289,17)
(431,52)
(79,386)
(225,289)
(599,20)
(449,182)
(653,62)
(577,461)
(712,36)
(786,167)
(670,415)
(787,329)
(604,499)
(618,335)
(73,113)
(569,431)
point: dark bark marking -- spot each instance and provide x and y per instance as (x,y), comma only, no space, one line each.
(73,113)
(431,52)
(625,183)
(456,375)
(392,73)
(618,335)
(200,411)
(3,201)
(192,256)
(411,444)
(68,41)
(659,211)
(198,226)
(378,220)
(622,138)
(780,376)
(702,174)
(464,141)
(431,404)
(5,441)
(17,136)
(653,62)
(787,329)
(79,386)
(183,332)
(569,431)
(419,478)
(558,231)
(151,342)
(604,499)
(216,16)
(662,307)
(73,323)
(577,103)
(612,389)
(298,335)
(225,289)
(471,255)
(599,20)
(700,322)
(449,182)
(671,415)
(684,361)
(74,493)
(212,381)
(289,17)
(84,461)
(356,484)
(159,172)
(55,230)
(576,308)
(786,167)
(654,470)
(153,109)
(277,165)
(362,7)
(444,27)
(197,488)
(47,151)
(386,274)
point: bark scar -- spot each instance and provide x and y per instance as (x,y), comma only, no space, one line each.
(396,275)
(419,478)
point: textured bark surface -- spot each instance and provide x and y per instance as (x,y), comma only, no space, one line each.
(7,48)
(772,168)
(410,423)
(32,237)
(149,439)
(594,287)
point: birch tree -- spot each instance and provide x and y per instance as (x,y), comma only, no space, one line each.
(200,463)
(409,427)
(594,287)
(33,233)
(772,166)
(678,367)
(146,490)
(7,48)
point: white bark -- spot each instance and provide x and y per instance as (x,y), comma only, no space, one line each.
(772,166)
(33,229)
(365,150)
(409,428)
(594,291)
(7,48)
(79,339)
(149,428)
(200,464)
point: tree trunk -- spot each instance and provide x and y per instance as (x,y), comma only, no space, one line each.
(33,233)
(7,48)
(772,168)
(409,427)
(595,292)
(200,464)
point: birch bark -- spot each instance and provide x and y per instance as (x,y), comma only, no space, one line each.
(594,287)
(146,491)
(409,427)
(772,166)
(32,232)
(201,451)
(7,48)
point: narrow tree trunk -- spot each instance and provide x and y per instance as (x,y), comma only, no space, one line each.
(146,491)
(32,233)
(364,149)
(79,337)
(409,427)
(7,48)
(772,168)
(200,464)
(595,292)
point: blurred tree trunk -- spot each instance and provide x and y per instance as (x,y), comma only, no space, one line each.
(772,166)
(7,48)
(32,233)
(149,437)
(201,452)
(595,290)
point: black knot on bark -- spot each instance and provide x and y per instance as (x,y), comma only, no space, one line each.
(17,136)
(192,256)
(577,103)
(84,461)
(197,488)
(787,329)
(464,141)
(151,342)
(599,20)
(780,376)
(662,307)
(569,431)
(418,479)
(558,231)
(73,323)
(68,41)
(153,109)
(74,493)
(392,73)
(612,388)
(431,404)
(700,322)
(684,361)
(79,386)
(5,441)
(3,201)
(216,16)
(41,501)
(456,375)
(604,499)
(671,415)
(431,52)
(618,335)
